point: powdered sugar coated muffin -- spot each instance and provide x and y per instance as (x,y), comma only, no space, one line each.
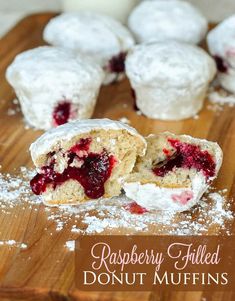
(221,43)
(170,79)
(174,173)
(103,39)
(53,86)
(85,159)
(161,20)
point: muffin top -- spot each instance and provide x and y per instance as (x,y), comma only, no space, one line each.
(58,135)
(221,41)
(172,19)
(45,66)
(92,34)
(170,63)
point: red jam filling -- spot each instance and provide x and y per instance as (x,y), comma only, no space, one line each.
(117,63)
(166,151)
(95,170)
(182,198)
(134,208)
(61,113)
(83,145)
(186,156)
(221,65)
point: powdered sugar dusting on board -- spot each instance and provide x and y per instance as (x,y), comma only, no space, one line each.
(219,98)
(212,214)
(196,222)
(70,245)
(125,120)
(13,243)
(15,188)
(217,95)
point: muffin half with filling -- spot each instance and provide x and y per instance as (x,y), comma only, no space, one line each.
(174,173)
(86,159)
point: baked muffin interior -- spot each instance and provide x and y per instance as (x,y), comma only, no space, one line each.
(173,161)
(89,166)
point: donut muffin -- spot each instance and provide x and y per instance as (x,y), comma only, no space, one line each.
(174,173)
(103,39)
(85,159)
(162,20)
(53,86)
(170,79)
(221,44)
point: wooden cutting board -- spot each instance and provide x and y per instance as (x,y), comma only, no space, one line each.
(45,270)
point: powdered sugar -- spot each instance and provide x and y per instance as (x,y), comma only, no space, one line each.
(216,108)
(196,222)
(109,216)
(56,136)
(211,214)
(14,109)
(94,35)
(15,188)
(219,210)
(221,97)
(167,20)
(79,85)
(170,79)
(11,112)
(12,243)
(125,120)
(70,245)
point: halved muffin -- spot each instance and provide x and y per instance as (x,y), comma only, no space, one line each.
(84,160)
(174,173)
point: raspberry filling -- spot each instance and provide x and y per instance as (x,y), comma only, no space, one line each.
(117,63)
(83,145)
(94,171)
(166,151)
(221,65)
(134,208)
(182,198)
(61,113)
(186,156)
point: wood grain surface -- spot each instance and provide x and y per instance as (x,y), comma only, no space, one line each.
(45,270)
